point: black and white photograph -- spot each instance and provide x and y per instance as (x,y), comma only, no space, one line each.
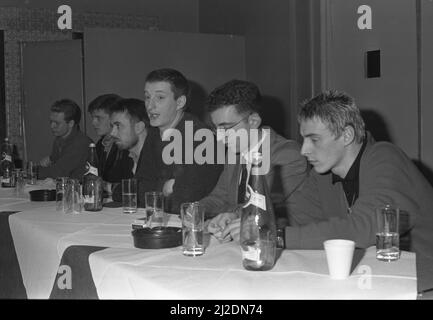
(215,156)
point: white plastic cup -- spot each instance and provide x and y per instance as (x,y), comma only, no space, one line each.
(339,254)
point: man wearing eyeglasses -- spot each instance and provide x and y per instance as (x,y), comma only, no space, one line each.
(234,111)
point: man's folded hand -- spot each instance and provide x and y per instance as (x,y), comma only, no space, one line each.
(218,225)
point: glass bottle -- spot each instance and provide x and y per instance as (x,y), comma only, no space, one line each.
(92,183)
(7,165)
(258,234)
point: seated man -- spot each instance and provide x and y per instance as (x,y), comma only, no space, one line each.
(71,146)
(130,133)
(234,107)
(352,176)
(184,179)
(114,163)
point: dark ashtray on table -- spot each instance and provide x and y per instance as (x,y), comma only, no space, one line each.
(43,195)
(157,238)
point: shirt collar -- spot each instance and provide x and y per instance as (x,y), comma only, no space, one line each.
(134,153)
(353,173)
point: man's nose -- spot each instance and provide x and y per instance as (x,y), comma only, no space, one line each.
(150,105)
(113,132)
(305,149)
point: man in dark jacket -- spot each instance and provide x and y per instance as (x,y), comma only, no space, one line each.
(184,179)
(131,133)
(70,148)
(114,163)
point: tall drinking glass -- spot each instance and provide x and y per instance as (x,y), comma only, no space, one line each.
(192,214)
(154,201)
(20,181)
(61,192)
(129,195)
(74,197)
(387,236)
(31,172)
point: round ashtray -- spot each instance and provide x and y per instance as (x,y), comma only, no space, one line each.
(157,238)
(42,195)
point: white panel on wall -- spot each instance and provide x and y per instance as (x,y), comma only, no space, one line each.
(391,100)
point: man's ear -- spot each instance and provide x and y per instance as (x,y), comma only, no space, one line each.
(348,135)
(139,127)
(71,124)
(180,102)
(254,120)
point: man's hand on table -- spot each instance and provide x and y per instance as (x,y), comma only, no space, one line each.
(167,189)
(225,226)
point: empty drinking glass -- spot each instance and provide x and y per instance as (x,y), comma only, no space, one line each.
(20,181)
(31,172)
(74,197)
(61,192)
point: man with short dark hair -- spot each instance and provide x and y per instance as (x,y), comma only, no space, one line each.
(114,163)
(166,94)
(70,148)
(234,108)
(130,133)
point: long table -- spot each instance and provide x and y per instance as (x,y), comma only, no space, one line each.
(120,271)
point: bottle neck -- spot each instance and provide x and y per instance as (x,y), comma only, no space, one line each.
(92,163)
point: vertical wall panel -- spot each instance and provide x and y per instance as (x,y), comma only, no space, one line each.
(52,71)
(427,85)
(389,102)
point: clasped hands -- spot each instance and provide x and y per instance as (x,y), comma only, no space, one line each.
(225,226)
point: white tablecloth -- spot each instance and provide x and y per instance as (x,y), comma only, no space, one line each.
(123,272)
(11,199)
(298,274)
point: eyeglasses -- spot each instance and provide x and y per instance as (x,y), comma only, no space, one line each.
(233,125)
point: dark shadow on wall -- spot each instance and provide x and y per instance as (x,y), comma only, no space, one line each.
(274,115)
(427,172)
(197,100)
(375,124)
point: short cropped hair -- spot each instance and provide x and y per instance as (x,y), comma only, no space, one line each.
(70,109)
(335,109)
(135,108)
(244,95)
(103,102)
(178,83)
